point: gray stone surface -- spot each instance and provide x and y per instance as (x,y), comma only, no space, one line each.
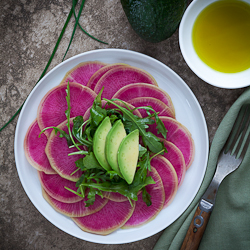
(28,32)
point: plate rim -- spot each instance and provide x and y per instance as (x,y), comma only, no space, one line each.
(206,144)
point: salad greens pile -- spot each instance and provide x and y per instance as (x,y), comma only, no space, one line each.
(95,178)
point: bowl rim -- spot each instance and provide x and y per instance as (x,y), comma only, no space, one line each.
(202,70)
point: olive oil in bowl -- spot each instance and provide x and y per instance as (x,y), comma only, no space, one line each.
(221,36)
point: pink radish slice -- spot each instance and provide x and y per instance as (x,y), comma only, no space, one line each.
(175,156)
(168,176)
(82,72)
(137,90)
(98,74)
(121,76)
(51,110)
(34,149)
(76,209)
(135,112)
(117,197)
(179,136)
(111,217)
(143,213)
(111,106)
(57,151)
(55,185)
(156,104)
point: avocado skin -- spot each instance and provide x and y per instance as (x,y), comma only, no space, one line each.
(154,20)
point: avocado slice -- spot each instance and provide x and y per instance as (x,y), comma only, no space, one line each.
(154,20)
(113,141)
(99,142)
(128,153)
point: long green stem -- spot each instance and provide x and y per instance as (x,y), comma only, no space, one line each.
(46,67)
(82,28)
(74,30)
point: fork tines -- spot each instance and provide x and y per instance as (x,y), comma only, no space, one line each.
(239,138)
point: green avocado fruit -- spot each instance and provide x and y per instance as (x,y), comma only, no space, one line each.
(128,153)
(99,142)
(154,20)
(113,141)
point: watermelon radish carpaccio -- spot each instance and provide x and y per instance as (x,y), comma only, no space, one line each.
(132,91)
(136,88)
(143,213)
(179,135)
(55,185)
(34,149)
(57,151)
(154,103)
(168,177)
(111,217)
(82,72)
(51,110)
(175,156)
(121,76)
(76,209)
(99,73)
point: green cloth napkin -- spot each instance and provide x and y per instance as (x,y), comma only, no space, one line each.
(229,224)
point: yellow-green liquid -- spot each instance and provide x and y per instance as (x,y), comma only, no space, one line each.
(221,36)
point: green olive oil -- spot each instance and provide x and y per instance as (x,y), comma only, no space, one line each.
(221,36)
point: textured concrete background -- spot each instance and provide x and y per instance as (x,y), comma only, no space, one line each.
(28,33)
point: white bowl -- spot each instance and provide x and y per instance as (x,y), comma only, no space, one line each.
(207,74)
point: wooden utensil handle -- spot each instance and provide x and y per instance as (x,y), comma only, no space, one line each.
(197,228)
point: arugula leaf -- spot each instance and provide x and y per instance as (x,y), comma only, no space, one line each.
(80,180)
(141,173)
(67,113)
(77,131)
(69,189)
(160,126)
(98,99)
(149,139)
(134,189)
(146,197)
(75,171)
(62,134)
(91,196)
(97,115)
(113,119)
(155,143)
(90,161)
(81,152)
(114,175)
(142,150)
(122,187)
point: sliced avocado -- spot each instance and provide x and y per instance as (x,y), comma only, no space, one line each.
(99,142)
(128,153)
(113,141)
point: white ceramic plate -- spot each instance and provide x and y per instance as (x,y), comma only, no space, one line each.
(188,112)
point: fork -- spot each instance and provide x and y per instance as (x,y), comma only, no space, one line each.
(230,158)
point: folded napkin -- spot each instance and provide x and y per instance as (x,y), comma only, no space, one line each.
(229,224)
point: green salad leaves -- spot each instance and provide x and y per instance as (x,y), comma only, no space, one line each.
(95,179)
